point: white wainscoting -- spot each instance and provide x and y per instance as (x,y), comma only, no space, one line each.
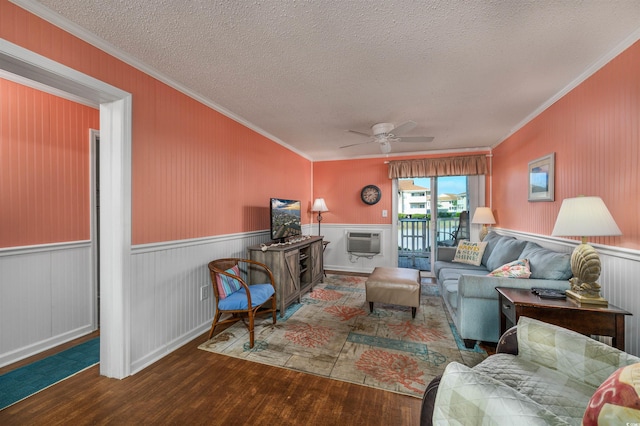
(166,310)
(47,297)
(619,279)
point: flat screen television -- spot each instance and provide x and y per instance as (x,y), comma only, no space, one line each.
(285,219)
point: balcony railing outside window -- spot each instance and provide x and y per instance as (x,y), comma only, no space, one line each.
(414,235)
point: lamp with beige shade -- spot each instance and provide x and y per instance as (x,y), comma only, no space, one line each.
(582,217)
(483,216)
(319,206)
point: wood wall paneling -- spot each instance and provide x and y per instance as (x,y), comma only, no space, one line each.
(595,132)
(44,167)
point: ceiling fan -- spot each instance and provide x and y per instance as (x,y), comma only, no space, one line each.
(385,133)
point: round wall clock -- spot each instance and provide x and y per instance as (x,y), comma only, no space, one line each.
(370,194)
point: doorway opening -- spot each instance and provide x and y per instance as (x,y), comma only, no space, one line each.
(94,140)
(115,158)
(429,212)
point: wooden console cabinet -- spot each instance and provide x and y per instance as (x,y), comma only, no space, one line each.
(296,268)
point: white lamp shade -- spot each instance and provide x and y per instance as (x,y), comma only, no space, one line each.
(319,205)
(484,216)
(583,217)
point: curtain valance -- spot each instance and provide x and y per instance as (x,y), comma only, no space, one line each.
(446,166)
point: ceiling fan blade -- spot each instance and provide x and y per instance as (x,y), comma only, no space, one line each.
(416,139)
(359,133)
(355,144)
(403,128)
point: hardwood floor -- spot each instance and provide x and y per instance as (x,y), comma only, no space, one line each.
(191,386)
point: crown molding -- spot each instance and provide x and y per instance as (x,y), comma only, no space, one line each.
(390,156)
(74,29)
(601,62)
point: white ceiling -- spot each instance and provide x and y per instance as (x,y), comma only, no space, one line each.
(303,72)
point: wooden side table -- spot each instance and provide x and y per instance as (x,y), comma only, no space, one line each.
(591,320)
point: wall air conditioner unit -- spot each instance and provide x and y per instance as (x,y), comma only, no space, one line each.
(363,242)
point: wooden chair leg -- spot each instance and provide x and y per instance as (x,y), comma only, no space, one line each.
(251,334)
(215,322)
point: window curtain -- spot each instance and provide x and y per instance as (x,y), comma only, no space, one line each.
(433,167)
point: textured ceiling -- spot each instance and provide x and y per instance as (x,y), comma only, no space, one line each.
(303,72)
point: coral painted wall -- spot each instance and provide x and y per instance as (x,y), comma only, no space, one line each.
(340,183)
(195,172)
(44,167)
(594,131)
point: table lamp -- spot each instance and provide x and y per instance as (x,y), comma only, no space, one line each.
(319,206)
(483,216)
(582,217)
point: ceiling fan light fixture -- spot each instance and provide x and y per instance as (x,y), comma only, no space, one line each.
(385,133)
(382,128)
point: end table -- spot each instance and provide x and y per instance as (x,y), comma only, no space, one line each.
(591,320)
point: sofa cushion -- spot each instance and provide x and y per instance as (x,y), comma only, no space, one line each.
(516,269)
(451,292)
(468,252)
(442,265)
(467,397)
(506,250)
(547,264)
(568,352)
(565,397)
(451,272)
(491,239)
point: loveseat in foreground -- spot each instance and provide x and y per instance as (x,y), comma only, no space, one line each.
(541,374)
(470,295)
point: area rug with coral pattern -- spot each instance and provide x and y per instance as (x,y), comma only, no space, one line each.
(331,333)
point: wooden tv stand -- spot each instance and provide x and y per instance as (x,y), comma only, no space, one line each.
(296,268)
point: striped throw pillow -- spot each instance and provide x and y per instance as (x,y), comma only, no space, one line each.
(227,285)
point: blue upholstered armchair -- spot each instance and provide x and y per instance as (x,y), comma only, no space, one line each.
(235,297)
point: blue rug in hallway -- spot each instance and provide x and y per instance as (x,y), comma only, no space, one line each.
(30,379)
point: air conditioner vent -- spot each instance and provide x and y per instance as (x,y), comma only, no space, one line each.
(363,242)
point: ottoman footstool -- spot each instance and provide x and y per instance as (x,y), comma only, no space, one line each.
(395,286)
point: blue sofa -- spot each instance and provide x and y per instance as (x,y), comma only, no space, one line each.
(470,294)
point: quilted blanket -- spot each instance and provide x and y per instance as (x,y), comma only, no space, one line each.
(550,381)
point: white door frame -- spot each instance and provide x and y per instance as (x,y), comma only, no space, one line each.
(115,189)
(94,138)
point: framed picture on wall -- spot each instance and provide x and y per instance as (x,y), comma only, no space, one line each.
(542,178)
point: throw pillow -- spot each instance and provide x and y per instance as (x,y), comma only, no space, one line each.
(505,250)
(470,253)
(516,269)
(617,400)
(547,264)
(227,285)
